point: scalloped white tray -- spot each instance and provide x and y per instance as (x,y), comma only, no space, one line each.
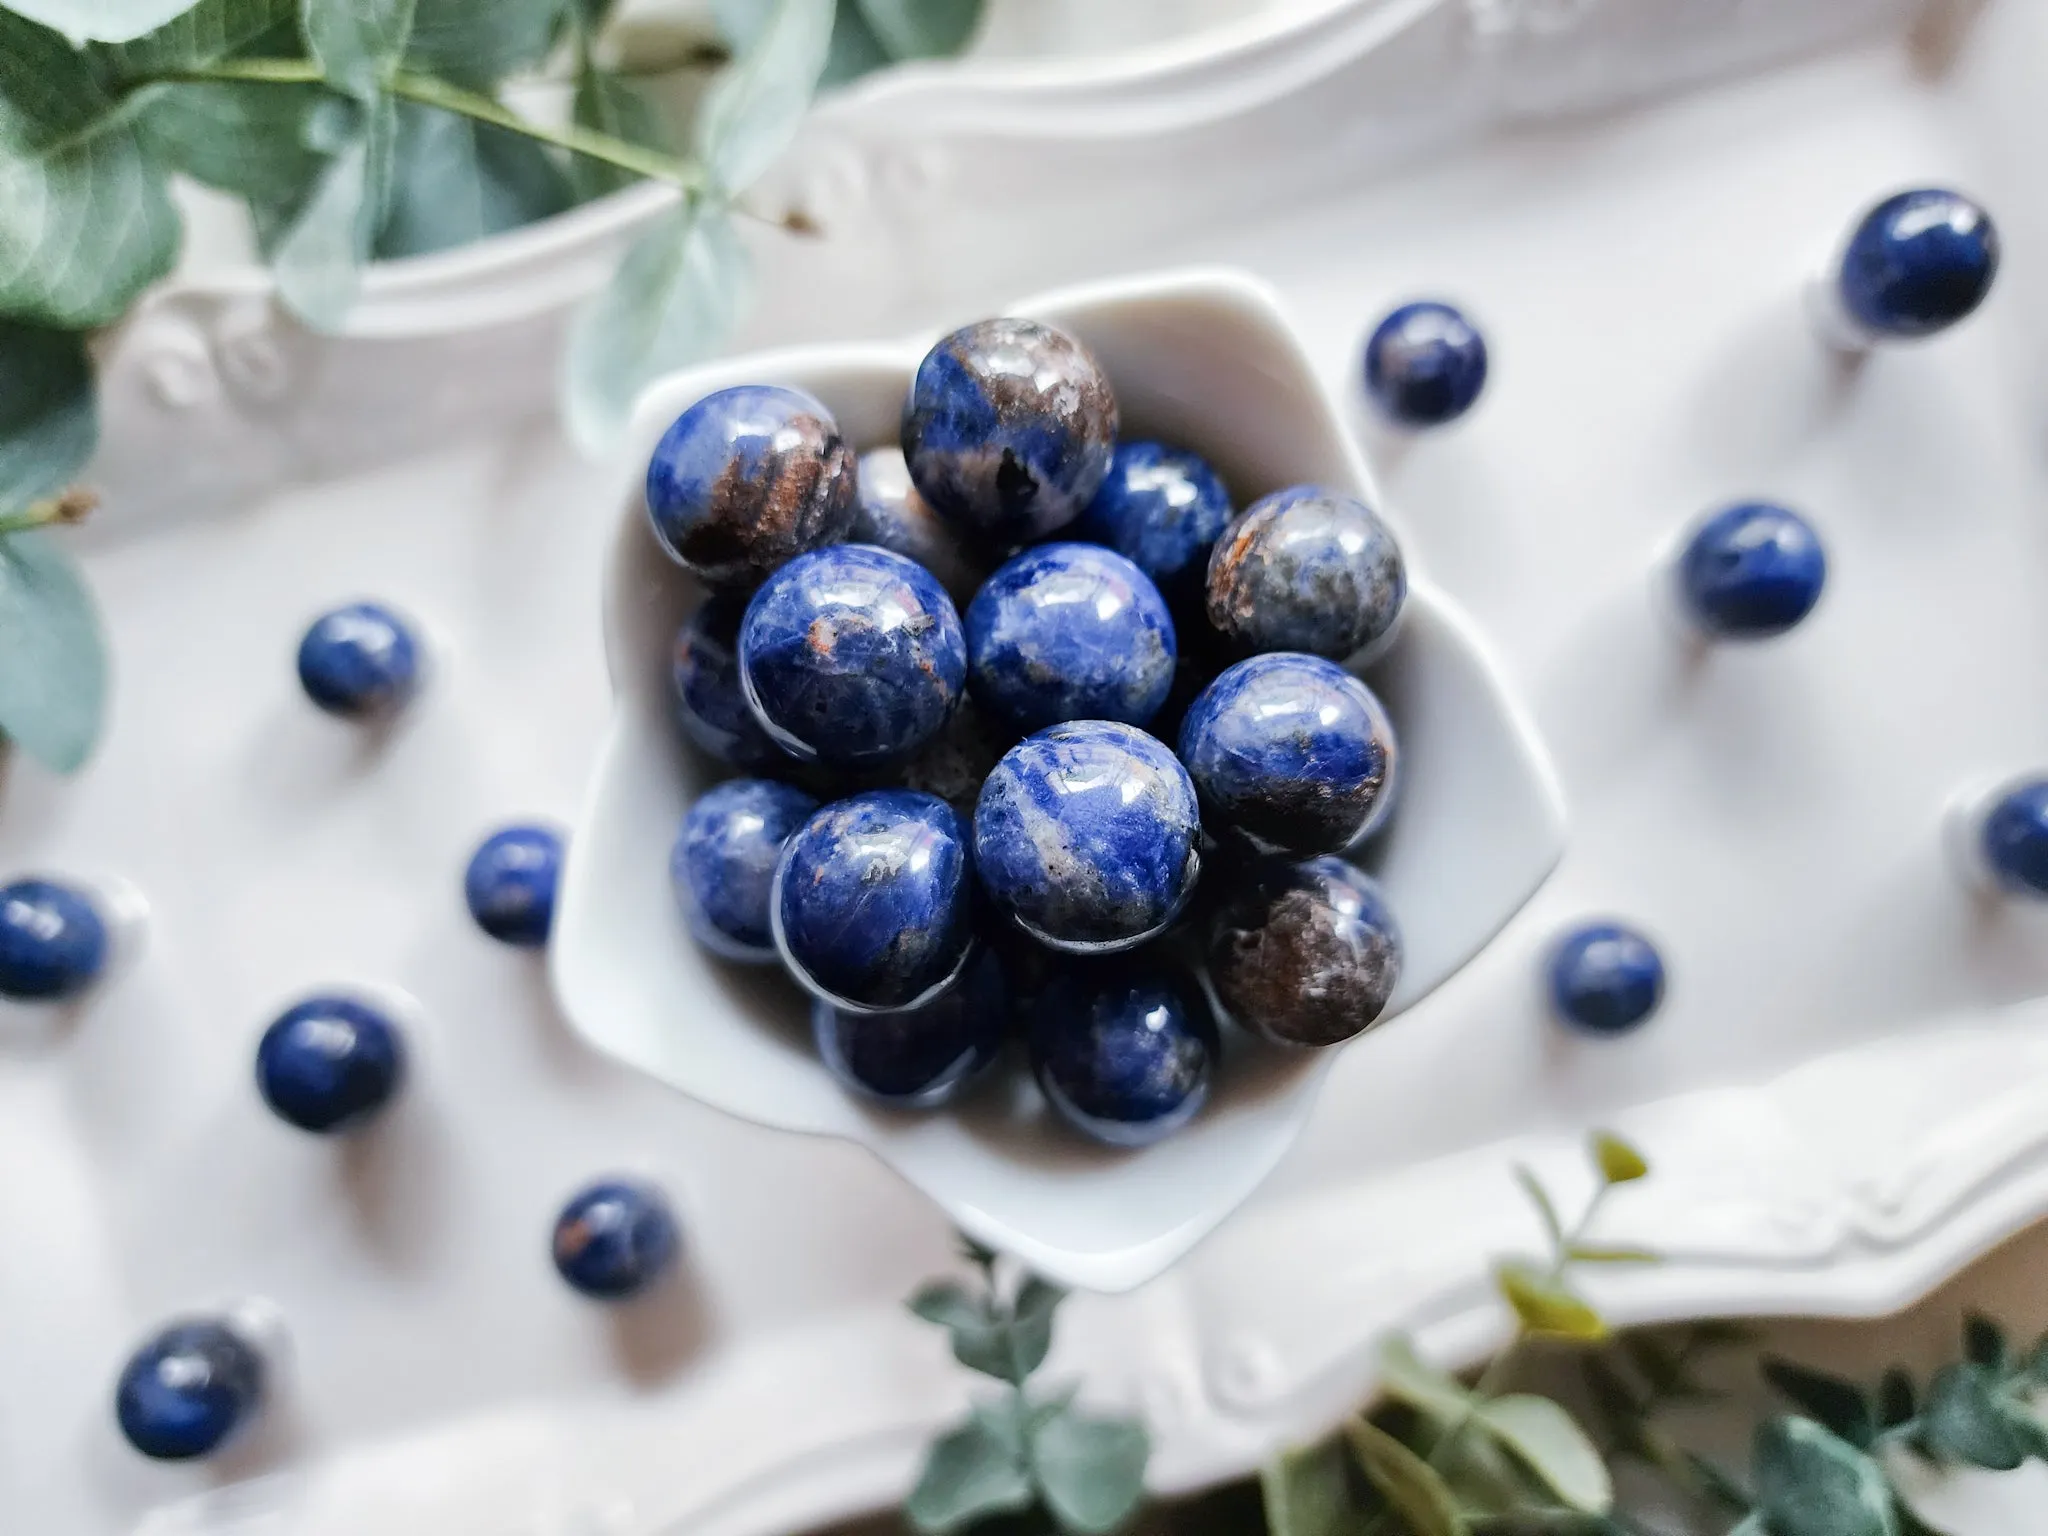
(1846,1095)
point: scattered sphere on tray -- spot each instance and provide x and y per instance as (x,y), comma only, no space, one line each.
(892,515)
(615,1238)
(1069,632)
(1123,1048)
(1917,263)
(923,1057)
(2015,838)
(1306,569)
(329,1064)
(1751,571)
(510,884)
(188,1389)
(711,703)
(722,866)
(1605,979)
(1304,953)
(1425,364)
(53,941)
(1163,509)
(360,661)
(747,479)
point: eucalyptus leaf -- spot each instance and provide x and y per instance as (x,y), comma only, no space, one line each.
(105,21)
(1751,1524)
(1008,1421)
(854,50)
(317,265)
(1984,1342)
(1810,1482)
(242,137)
(1546,1208)
(210,30)
(1895,1398)
(479,42)
(1619,1162)
(1963,1420)
(1545,1307)
(356,41)
(1418,1495)
(1715,1484)
(1031,1323)
(454,180)
(968,1475)
(981,1341)
(1309,1493)
(1485,1477)
(53,657)
(752,112)
(48,423)
(921,29)
(949,1304)
(2036,1364)
(1842,1406)
(1551,1444)
(1408,1378)
(609,104)
(1090,1470)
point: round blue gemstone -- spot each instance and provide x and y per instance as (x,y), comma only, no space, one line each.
(873,904)
(1919,262)
(1605,979)
(892,515)
(852,656)
(1292,751)
(722,866)
(359,661)
(510,884)
(1425,364)
(746,480)
(1306,569)
(2015,838)
(1123,1049)
(329,1063)
(1752,571)
(1163,509)
(1069,632)
(1008,429)
(188,1389)
(1086,835)
(1304,954)
(711,704)
(53,941)
(923,1057)
(615,1238)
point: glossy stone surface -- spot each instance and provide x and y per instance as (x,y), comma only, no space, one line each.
(615,1238)
(1303,953)
(955,763)
(510,884)
(892,515)
(53,941)
(359,661)
(924,1057)
(711,704)
(1163,509)
(1918,262)
(1605,979)
(1086,836)
(874,901)
(1751,571)
(1425,364)
(746,480)
(2015,839)
(187,1390)
(1069,632)
(1123,1048)
(1291,751)
(329,1064)
(1306,569)
(722,865)
(852,656)
(1008,429)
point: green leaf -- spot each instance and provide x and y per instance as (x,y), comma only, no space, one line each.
(245,138)
(1551,1444)
(2026,1428)
(1546,1208)
(1963,1420)
(1309,1493)
(107,21)
(48,423)
(1751,1524)
(1716,1485)
(1810,1482)
(1895,1398)
(356,41)
(1984,1342)
(854,50)
(609,104)
(318,263)
(454,180)
(1619,1162)
(479,42)
(1408,1378)
(1548,1522)
(1031,1323)
(1090,1470)
(1418,1495)
(754,109)
(1484,1477)
(1546,1308)
(968,1475)
(922,29)
(1585,1253)
(2036,1363)
(980,1341)
(1619,1409)
(210,30)
(53,656)
(1842,1406)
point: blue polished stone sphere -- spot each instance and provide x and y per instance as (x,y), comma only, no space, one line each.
(1425,365)
(187,1390)
(1123,1048)
(852,657)
(924,1057)
(1752,571)
(1291,751)
(329,1064)
(614,1239)
(2015,839)
(53,941)
(1069,632)
(746,480)
(711,704)
(874,901)
(722,866)
(1008,430)
(1163,509)
(1086,836)
(1605,979)
(359,661)
(1303,953)
(510,884)
(1306,569)
(892,515)
(1919,262)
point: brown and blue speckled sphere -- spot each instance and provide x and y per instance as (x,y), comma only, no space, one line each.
(1307,569)
(1304,954)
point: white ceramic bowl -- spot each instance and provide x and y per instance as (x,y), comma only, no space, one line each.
(1200,358)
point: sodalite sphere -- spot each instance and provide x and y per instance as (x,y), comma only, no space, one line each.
(874,901)
(510,884)
(1123,1048)
(892,515)
(1008,429)
(746,480)
(188,1389)
(852,656)
(329,1064)
(53,941)
(1751,571)
(1917,263)
(1291,751)
(1605,979)
(359,661)
(711,704)
(924,1057)
(722,865)
(1305,953)
(2015,839)
(614,1238)
(1086,835)
(1069,632)
(1425,364)
(1306,569)
(1163,509)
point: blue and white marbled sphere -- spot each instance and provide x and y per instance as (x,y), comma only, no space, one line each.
(1605,978)
(1425,364)
(1069,632)
(1751,571)
(330,1064)
(722,865)
(2014,839)
(1124,1048)
(187,1390)
(852,656)
(359,661)
(510,884)
(1291,751)
(746,480)
(1008,429)
(1304,953)
(1917,263)
(874,901)
(1162,509)
(890,514)
(922,1057)
(53,941)
(1087,836)
(614,1238)
(711,703)
(1306,569)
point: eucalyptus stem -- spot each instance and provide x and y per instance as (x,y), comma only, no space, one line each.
(71,506)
